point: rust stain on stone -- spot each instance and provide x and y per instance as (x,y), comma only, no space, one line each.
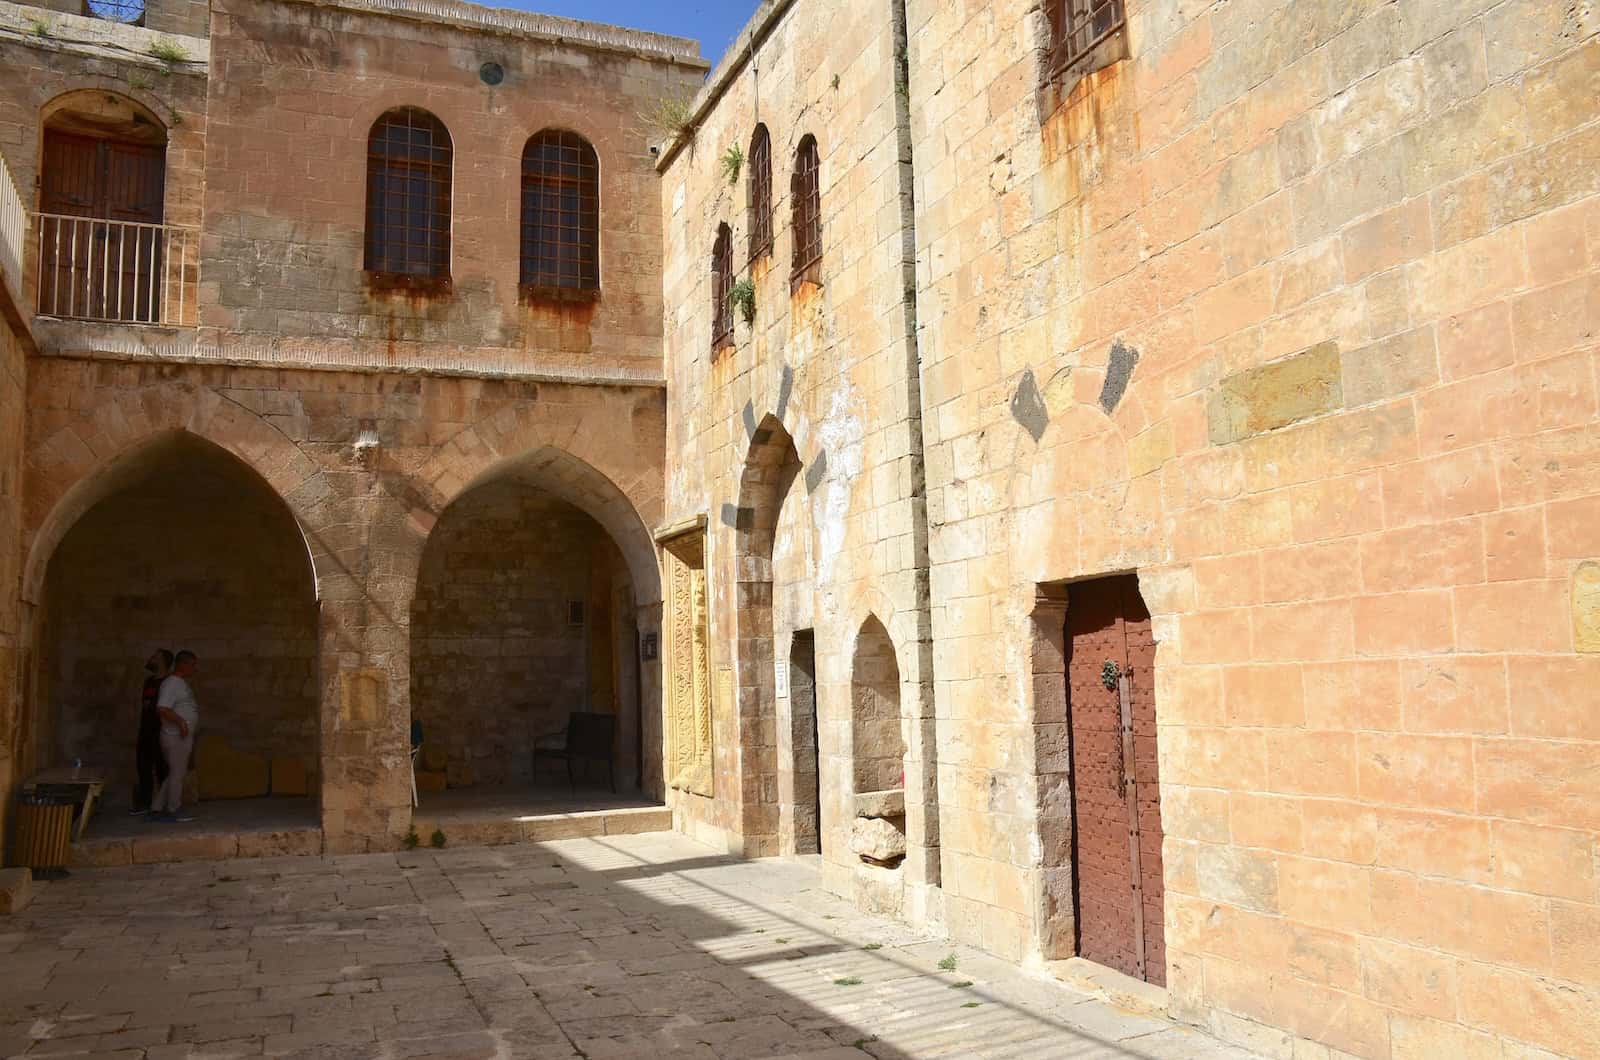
(1084,115)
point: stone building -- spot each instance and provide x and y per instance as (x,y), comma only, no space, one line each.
(1114,478)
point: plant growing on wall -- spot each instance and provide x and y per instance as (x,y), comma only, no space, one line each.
(732,163)
(168,51)
(743,298)
(670,117)
(40,27)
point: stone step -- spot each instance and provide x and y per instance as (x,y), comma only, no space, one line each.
(460,831)
(16,889)
(487,831)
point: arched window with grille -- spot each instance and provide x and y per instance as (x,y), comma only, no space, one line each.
(409,163)
(806,192)
(760,193)
(1085,35)
(560,212)
(722,289)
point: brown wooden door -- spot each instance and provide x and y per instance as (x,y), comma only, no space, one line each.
(1116,794)
(101,271)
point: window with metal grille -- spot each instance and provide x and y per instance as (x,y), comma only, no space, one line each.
(129,11)
(1085,35)
(560,212)
(722,289)
(408,195)
(806,191)
(760,193)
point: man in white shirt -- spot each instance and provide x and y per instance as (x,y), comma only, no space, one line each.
(179,716)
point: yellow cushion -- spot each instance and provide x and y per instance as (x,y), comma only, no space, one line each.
(227,773)
(290,777)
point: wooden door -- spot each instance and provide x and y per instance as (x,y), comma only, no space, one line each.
(1116,794)
(101,271)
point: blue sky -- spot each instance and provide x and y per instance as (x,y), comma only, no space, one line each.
(712,22)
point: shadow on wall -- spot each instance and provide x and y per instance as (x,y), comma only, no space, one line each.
(189,550)
(523,613)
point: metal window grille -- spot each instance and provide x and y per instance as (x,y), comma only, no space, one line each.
(560,212)
(408,195)
(1077,28)
(130,11)
(722,289)
(760,193)
(807,194)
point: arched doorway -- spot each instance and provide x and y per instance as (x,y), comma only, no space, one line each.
(527,612)
(774,605)
(102,196)
(183,547)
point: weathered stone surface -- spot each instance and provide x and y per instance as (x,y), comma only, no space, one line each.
(16,889)
(890,803)
(877,840)
(1276,395)
(299,842)
(160,849)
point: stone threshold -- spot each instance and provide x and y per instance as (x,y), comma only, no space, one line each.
(461,829)
(468,829)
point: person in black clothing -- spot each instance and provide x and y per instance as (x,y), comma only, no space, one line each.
(152,764)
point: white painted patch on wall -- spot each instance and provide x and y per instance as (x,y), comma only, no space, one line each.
(839,434)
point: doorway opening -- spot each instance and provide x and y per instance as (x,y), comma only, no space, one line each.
(102,194)
(804,741)
(1116,792)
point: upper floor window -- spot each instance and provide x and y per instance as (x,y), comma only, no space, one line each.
(129,11)
(408,195)
(1085,35)
(806,191)
(760,193)
(722,289)
(560,212)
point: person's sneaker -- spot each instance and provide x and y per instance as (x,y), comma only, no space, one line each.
(137,811)
(179,819)
(161,818)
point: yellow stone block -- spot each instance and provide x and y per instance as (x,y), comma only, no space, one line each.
(1586,607)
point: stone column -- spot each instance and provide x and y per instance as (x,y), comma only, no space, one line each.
(366,554)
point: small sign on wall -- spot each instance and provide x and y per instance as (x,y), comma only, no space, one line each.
(783,679)
(648,647)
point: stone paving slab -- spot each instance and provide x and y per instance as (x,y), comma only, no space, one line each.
(608,947)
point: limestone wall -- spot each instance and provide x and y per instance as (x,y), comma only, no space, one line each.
(809,408)
(196,555)
(13,391)
(286,188)
(497,660)
(1293,313)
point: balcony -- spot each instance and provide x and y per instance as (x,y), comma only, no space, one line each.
(116,272)
(13,234)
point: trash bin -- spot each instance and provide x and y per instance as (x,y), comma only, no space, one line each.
(43,832)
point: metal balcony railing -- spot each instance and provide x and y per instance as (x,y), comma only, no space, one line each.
(127,272)
(13,233)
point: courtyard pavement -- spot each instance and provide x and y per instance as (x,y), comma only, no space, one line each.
(627,946)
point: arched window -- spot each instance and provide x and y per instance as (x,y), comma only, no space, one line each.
(722,289)
(408,195)
(805,189)
(760,193)
(560,212)
(129,11)
(1085,35)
